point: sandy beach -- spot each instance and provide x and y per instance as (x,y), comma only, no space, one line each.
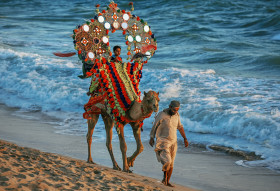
(24,168)
(60,164)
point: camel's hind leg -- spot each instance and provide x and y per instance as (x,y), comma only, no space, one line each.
(91,124)
(109,124)
(123,148)
(140,147)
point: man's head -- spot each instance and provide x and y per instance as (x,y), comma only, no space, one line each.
(174,107)
(117,50)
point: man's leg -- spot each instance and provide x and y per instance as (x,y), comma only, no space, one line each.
(173,151)
(164,180)
(169,173)
(165,158)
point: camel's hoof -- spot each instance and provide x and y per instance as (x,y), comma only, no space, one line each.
(128,171)
(130,162)
(90,161)
(117,168)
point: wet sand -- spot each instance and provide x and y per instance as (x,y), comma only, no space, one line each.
(195,168)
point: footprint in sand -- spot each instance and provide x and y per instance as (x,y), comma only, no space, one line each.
(3,181)
(20,176)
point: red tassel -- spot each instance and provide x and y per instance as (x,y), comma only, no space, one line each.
(89,74)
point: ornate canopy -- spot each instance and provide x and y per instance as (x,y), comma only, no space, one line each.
(92,41)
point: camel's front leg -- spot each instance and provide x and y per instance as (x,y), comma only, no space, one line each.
(140,147)
(91,125)
(109,124)
(123,148)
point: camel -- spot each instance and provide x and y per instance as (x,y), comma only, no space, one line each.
(137,113)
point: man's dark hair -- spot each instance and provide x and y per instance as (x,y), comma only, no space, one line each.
(174,103)
(115,48)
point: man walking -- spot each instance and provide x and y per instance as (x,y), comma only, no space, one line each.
(165,130)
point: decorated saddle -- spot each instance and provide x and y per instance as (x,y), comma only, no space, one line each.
(114,84)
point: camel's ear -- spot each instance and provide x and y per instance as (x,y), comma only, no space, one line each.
(145,93)
(158,93)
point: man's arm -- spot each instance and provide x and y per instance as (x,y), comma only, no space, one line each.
(182,132)
(153,131)
(152,135)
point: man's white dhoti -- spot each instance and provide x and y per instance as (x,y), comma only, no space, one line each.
(166,156)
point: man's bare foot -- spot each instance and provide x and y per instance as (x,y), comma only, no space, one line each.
(164,182)
(170,185)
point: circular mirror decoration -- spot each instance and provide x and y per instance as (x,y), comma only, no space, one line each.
(86,28)
(91,55)
(107,25)
(101,19)
(125,17)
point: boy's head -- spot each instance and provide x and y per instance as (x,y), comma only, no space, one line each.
(117,50)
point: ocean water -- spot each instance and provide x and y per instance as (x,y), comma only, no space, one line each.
(219,58)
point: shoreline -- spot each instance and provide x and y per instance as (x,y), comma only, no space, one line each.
(195,167)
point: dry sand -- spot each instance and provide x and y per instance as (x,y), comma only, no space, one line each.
(24,168)
(194,167)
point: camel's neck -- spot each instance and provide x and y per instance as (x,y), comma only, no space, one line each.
(139,111)
(146,111)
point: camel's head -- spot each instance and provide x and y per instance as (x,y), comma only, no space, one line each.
(151,99)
